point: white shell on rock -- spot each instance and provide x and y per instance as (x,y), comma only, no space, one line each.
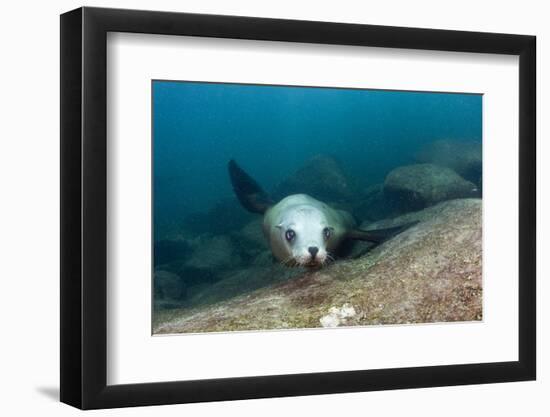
(338,316)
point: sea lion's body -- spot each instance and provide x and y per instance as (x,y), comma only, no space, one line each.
(301,230)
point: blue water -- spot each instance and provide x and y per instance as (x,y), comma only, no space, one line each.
(272,130)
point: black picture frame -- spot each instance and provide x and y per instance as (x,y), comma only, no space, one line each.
(84,207)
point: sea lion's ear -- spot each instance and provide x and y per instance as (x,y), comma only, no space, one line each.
(379,235)
(249,193)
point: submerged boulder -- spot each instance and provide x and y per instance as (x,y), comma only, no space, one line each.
(209,257)
(464,157)
(191,275)
(414,187)
(429,273)
(250,240)
(243,281)
(168,286)
(321,177)
(252,233)
(214,252)
(373,205)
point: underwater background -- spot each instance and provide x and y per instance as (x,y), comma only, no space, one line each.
(343,146)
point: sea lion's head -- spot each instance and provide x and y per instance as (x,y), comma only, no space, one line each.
(301,237)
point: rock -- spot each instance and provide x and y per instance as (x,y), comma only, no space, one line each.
(253,234)
(209,258)
(217,252)
(338,316)
(192,275)
(429,273)
(414,187)
(431,214)
(243,281)
(373,205)
(322,178)
(464,157)
(264,258)
(168,286)
(250,241)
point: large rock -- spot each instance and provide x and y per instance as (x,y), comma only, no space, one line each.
(216,252)
(429,273)
(322,178)
(373,205)
(208,259)
(252,233)
(464,157)
(250,240)
(168,286)
(243,281)
(414,187)
(191,275)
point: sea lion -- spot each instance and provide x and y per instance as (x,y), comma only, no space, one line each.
(301,230)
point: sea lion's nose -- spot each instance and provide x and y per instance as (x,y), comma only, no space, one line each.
(313,250)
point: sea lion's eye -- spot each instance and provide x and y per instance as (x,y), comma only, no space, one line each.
(327,232)
(290,235)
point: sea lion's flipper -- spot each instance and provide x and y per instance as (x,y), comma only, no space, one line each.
(379,235)
(247,190)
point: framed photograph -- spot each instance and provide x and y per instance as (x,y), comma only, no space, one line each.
(256,208)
